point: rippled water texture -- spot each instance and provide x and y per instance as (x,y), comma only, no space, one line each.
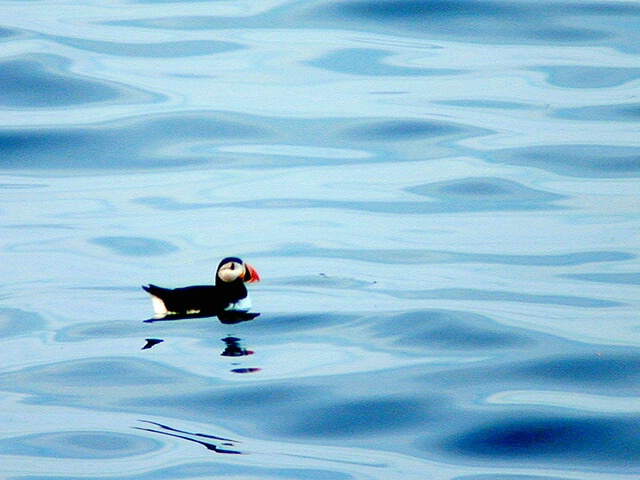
(441,198)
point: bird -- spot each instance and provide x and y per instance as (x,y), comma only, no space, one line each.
(228,298)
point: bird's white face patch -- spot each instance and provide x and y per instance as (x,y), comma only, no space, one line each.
(230,271)
(242,305)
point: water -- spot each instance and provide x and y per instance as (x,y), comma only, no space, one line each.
(440,196)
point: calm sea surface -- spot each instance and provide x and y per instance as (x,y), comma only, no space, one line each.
(441,197)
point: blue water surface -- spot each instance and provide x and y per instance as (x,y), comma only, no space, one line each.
(441,197)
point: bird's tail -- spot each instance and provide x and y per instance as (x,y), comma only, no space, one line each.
(159,308)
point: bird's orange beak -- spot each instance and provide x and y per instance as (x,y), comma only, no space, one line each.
(250,274)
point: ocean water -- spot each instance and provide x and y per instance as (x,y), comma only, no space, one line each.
(441,197)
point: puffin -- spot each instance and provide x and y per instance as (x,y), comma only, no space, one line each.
(228,299)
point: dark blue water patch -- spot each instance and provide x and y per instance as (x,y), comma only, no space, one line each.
(561,366)
(363,417)
(134,144)
(371,62)
(90,445)
(430,330)
(258,405)
(6,33)
(41,81)
(491,104)
(437,138)
(171,204)
(606,9)
(607,371)
(629,112)
(486,193)
(487,21)
(22,186)
(564,34)
(589,77)
(403,130)
(403,256)
(15,322)
(627,278)
(606,442)
(477,295)
(502,476)
(424,10)
(186,48)
(40,226)
(265,19)
(135,246)
(49,148)
(596,161)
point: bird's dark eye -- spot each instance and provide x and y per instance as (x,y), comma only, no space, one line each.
(233,265)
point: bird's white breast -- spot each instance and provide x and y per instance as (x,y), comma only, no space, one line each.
(242,305)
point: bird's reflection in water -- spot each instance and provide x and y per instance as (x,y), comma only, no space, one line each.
(210,442)
(151,342)
(227,318)
(245,370)
(234,349)
(232,344)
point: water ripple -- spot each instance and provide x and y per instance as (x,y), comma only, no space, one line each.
(118,146)
(626,112)
(469,294)
(96,445)
(576,160)
(151,50)
(40,81)
(15,322)
(404,130)
(371,416)
(403,256)
(631,278)
(576,76)
(615,371)
(136,246)
(449,330)
(360,61)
